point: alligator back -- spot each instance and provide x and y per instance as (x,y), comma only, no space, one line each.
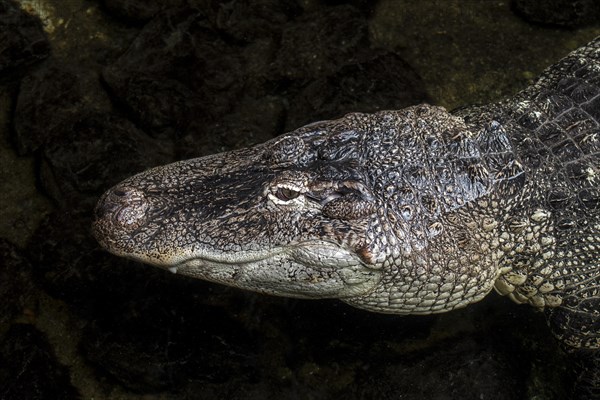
(555,131)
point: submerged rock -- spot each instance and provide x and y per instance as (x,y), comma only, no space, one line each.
(29,368)
(49,100)
(321,42)
(184,76)
(139,10)
(16,285)
(178,69)
(383,82)
(565,13)
(22,40)
(94,152)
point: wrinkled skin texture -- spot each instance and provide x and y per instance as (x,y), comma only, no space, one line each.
(325,216)
(413,211)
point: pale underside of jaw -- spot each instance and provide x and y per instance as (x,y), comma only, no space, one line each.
(315,269)
(316,253)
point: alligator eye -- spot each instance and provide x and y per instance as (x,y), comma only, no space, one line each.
(286,194)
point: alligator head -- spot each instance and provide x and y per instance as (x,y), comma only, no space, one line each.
(336,209)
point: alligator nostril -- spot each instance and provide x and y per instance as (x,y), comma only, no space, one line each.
(123,208)
(131,215)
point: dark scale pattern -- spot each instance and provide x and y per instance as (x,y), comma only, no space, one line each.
(414,211)
(557,138)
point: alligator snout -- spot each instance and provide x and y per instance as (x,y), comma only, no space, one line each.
(119,212)
(123,206)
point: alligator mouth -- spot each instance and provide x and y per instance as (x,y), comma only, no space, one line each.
(314,254)
(293,271)
(182,260)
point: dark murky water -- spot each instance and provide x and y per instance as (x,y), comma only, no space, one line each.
(100,90)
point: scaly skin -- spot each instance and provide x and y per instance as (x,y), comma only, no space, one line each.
(414,211)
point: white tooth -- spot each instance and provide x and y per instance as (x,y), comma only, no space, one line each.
(173,269)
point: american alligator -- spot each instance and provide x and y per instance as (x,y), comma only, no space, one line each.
(413,211)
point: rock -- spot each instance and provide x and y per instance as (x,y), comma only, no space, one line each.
(319,43)
(248,20)
(85,147)
(22,40)
(16,286)
(145,328)
(155,341)
(184,76)
(383,82)
(48,101)
(488,373)
(29,369)
(255,120)
(93,153)
(139,10)
(365,6)
(178,69)
(70,266)
(565,13)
